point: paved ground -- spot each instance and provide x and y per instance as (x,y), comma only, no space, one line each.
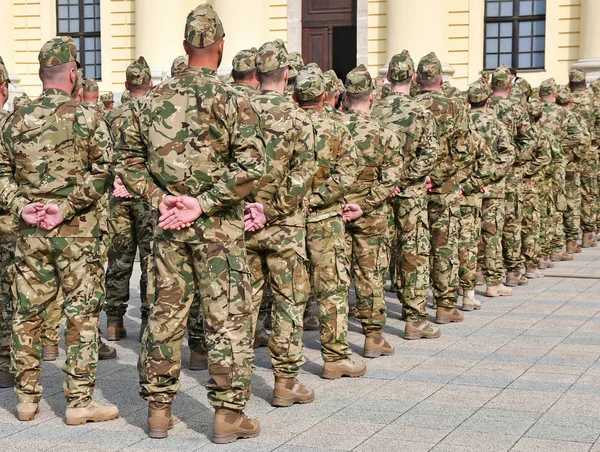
(520,375)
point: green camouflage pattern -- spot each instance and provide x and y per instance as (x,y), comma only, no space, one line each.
(520,91)
(310,84)
(548,87)
(272,56)
(331,81)
(90,86)
(429,67)
(401,66)
(244,60)
(125,97)
(245,90)
(107,97)
(576,75)
(501,77)
(359,80)
(57,51)
(179,65)
(21,101)
(564,95)
(7,257)
(296,64)
(138,73)
(478,92)
(203,26)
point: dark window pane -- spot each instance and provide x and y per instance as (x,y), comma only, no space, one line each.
(524,60)
(539,44)
(506,9)
(526,8)
(506,45)
(506,29)
(539,27)
(524,44)
(525,28)
(539,7)
(506,59)
(491,30)
(538,59)
(491,61)
(491,45)
(493,9)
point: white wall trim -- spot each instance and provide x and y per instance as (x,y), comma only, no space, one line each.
(294,26)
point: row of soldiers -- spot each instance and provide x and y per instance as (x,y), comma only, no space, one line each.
(252,197)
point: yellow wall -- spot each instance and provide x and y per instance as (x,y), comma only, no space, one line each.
(278,16)
(377,33)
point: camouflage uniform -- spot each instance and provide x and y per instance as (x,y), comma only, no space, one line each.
(415,127)
(453,164)
(296,65)
(68,256)
(243,61)
(277,253)
(179,65)
(21,101)
(368,237)
(332,86)
(195,136)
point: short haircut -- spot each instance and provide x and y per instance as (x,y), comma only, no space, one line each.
(271,77)
(242,75)
(558,101)
(513,71)
(357,98)
(309,103)
(139,88)
(107,102)
(56,73)
(396,83)
(577,86)
(292,81)
(478,104)
(433,83)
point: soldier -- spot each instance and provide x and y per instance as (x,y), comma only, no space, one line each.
(21,101)
(59,243)
(296,65)
(521,91)
(337,167)
(244,72)
(332,90)
(179,65)
(277,252)
(516,120)
(478,96)
(443,194)
(107,101)
(368,237)
(197,165)
(416,130)
(77,93)
(125,97)
(91,92)
(131,221)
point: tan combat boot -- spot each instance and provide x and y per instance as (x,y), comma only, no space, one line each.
(498,291)
(332,370)
(105,351)
(542,265)
(6,379)
(469,302)
(512,279)
(532,273)
(288,391)
(114,328)
(522,280)
(549,263)
(160,420)
(445,315)
(587,239)
(198,361)
(261,336)
(420,330)
(49,352)
(480,278)
(26,411)
(143,327)
(376,345)
(560,256)
(94,412)
(229,425)
(572,247)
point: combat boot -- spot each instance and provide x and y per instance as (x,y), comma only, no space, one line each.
(587,239)
(198,361)
(94,412)
(376,345)
(469,302)
(498,291)
(532,273)
(114,328)
(26,411)
(572,247)
(288,391)
(512,279)
(549,263)
(480,278)
(49,352)
(261,336)
(445,315)
(143,327)
(420,330)
(310,322)
(229,425)
(6,379)
(160,420)
(347,367)
(542,265)
(560,256)
(105,351)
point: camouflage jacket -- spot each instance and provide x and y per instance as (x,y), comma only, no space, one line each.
(454,157)
(577,151)
(516,120)
(415,128)
(56,151)
(333,113)
(337,166)
(245,90)
(381,160)
(9,223)
(584,106)
(289,93)
(484,166)
(495,134)
(194,135)
(534,172)
(289,158)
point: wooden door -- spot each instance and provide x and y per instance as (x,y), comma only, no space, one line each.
(317,44)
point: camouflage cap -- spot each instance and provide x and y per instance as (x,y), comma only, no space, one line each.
(309,85)
(271,56)
(331,81)
(548,87)
(534,108)
(521,87)
(125,97)
(244,60)
(564,95)
(478,92)
(576,75)
(296,63)
(596,86)
(3,72)
(21,101)
(429,67)
(401,66)
(138,73)
(79,82)
(340,86)
(90,86)
(58,51)
(415,89)
(179,64)
(359,80)
(501,77)
(107,97)
(203,27)
(312,67)
(485,76)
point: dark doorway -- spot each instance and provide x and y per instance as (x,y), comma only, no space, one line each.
(329,34)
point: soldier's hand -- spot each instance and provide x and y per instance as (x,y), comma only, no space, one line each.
(178,212)
(461,192)
(33,213)
(351,212)
(119,190)
(428,184)
(52,218)
(395,193)
(254,217)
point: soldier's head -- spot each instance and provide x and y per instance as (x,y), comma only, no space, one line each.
(4,81)
(577,79)
(244,67)
(273,65)
(138,78)
(179,65)
(501,81)
(401,72)
(359,89)
(479,95)
(91,92)
(564,98)
(549,90)
(535,110)
(58,64)
(203,37)
(429,73)
(309,91)
(332,87)
(21,101)
(77,92)
(108,100)
(513,74)
(296,65)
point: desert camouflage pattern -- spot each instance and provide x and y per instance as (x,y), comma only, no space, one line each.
(203,26)
(57,51)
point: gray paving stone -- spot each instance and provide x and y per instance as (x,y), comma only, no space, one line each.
(545,445)
(501,422)
(463,437)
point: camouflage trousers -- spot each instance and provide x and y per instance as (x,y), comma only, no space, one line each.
(530,229)
(572,216)
(330,281)
(413,250)
(559,200)
(489,250)
(444,219)
(277,258)
(217,274)
(131,225)
(368,248)
(590,218)
(42,267)
(470,228)
(546,216)
(511,233)
(7,257)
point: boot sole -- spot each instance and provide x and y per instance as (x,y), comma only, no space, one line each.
(414,336)
(226,438)
(49,358)
(289,401)
(27,416)
(377,354)
(105,357)
(114,337)
(198,367)
(338,375)
(158,433)
(496,296)
(470,308)
(81,421)
(446,321)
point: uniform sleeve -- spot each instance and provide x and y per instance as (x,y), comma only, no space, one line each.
(423,135)
(541,157)
(504,150)
(11,198)
(575,137)
(246,157)
(484,166)
(525,138)
(463,155)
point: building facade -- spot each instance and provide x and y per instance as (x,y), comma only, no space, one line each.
(542,38)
